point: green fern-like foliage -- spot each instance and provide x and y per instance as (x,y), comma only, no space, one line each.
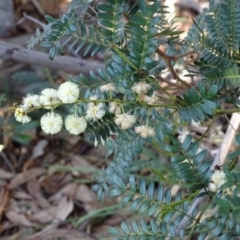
(131,33)
(217,43)
(198,105)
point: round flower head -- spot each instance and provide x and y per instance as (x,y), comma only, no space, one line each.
(107,87)
(218,176)
(125,121)
(95,112)
(144,131)
(51,123)
(31,100)
(140,87)
(49,96)
(217,180)
(75,125)
(212,187)
(68,92)
(114,108)
(151,100)
(21,115)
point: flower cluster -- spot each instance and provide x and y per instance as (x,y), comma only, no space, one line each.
(75,124)
(141,87)
(68,93)
(30,101)
(21,115)
(144,131)
(114,108)
(51,123)
(49,98)
(125,121)
(107,87)
(217,180)
(153,99)
(95,111)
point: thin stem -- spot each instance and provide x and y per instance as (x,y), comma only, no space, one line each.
(228,111)
(182,55)
(162,89)
(124,57)
(230,123)
(110,95)
(102,211)
(93,10)
(168,60)
(75,109)
(197,221)
(171,83)
(122,109)
(49,76)
(209,127)
(106,101)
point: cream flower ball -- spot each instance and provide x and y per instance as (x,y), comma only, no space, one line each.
(125,121)
(212,187)
(75,124)
(218,176)
(31,100)
(217,180)
(49,96)
(21,115)
(114,108)
(107,87)
(141,87)
(95,112)
(51,123)
(152,99)
(68,92)
(144,131)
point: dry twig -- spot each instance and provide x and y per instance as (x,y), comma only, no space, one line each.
(66,63)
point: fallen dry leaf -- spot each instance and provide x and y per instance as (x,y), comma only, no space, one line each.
(13,205)
(5,175)
(29,207)
(52,232)
(53,214)
(87,197)
(68,190)
(12,237)
(64,208)
(53,183)
(35,191)
(44,216)
(38,150)
(4,197)
(23,177)
(18,219)
(20,194)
